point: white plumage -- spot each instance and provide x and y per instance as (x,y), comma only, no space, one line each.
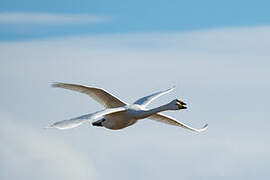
(119,114)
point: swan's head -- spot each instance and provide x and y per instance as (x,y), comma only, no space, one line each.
(177,104)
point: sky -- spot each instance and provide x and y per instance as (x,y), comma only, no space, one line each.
(127,16)
(216,54)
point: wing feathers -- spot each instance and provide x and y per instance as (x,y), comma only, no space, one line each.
(144,101)
(74,122)
(170,120)
(100,95)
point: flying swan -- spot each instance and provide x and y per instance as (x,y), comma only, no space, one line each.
(118,114)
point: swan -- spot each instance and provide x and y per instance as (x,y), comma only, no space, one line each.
(118,114)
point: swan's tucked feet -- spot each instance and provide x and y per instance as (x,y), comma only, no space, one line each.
(98,123)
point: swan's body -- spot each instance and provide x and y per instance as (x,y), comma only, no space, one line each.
(119,114)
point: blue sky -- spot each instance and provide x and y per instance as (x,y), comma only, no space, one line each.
(135,16)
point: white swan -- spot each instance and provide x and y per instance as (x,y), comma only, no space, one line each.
(119,114)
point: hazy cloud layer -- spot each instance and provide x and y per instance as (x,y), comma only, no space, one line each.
(222,74)
(49,18)
(30,153)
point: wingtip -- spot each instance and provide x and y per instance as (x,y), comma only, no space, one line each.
(55,84)
(172,88)
(204,128)
(48,127)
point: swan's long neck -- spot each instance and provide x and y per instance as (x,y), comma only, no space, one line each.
(147,113)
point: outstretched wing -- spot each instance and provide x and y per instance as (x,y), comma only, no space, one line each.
(170,120)
(148,99)
(100,95)
(74,122)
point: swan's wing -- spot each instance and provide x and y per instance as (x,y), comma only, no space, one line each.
(100,95)
(74,122)
(170,120)
(148,99)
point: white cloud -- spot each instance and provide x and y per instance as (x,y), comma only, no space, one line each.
(223,75)
(49,18)
(28,153)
